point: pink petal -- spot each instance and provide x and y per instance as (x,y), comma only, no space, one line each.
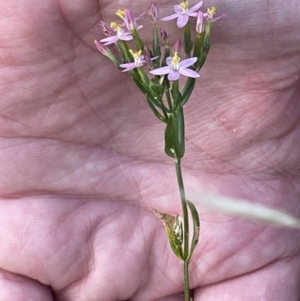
(182,20)
(188,62)
(169,61)
(174,16)
(219,18)
(113,39)
(128,66)
(196,7)
(188,72)
(154,58)
(109,39)
(178,9)
(161,71)
(192,14)
(126,37)
(173,75)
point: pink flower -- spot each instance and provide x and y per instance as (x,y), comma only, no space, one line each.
(129,20)
(176,68)
(209,15)
(182,12)
(121,34)
(139,61)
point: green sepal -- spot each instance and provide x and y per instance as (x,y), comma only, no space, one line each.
(156,89)
(174,135)
(155,47)
(173,228)
(188,44)
(187,90)
(196,227)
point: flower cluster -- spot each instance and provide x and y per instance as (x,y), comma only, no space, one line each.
(157,70)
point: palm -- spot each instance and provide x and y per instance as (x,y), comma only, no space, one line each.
(82,156)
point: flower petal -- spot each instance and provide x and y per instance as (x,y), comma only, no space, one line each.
(128,66)
(196,7)
(188,62)
(192,14)
(173,75)
(109,39)
(177,9)
(169,61)
(219,18)
(171,17)
(188,72)
(126,37)
(182,20)
(161,71)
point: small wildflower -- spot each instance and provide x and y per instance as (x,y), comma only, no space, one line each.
(121,13)
(139,61)
(176,68)
(209,15)
(183,12)
(153,11)
(200,22)
(121,34)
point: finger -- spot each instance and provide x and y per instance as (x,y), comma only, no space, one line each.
(277,281)
(18,288)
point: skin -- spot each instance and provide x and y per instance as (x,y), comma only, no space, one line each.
(82,160)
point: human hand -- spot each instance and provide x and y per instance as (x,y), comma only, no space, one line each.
(83,163)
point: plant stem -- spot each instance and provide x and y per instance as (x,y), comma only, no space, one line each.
(185,230)
(186,280)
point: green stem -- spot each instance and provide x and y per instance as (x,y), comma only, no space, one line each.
(186,281)
(185,229)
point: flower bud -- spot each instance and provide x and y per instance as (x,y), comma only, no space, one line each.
(164,35)
(129,20)
(153,11)
(200,22)
(105,28)
(101,48)
(176,47)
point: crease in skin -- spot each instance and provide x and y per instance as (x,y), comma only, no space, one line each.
(244,209)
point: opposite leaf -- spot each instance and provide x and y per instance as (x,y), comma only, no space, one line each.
(173,227)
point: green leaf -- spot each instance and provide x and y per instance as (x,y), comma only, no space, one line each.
(187,90)
(196,227)
(174,135)
(154,109)
(173,227)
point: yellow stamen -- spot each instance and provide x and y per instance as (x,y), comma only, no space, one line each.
(212,11)
(184,5)
(135,54)
(115,26)
(120,13)
(175,59)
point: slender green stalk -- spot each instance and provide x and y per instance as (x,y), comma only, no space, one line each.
(185,230)
(186,280)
